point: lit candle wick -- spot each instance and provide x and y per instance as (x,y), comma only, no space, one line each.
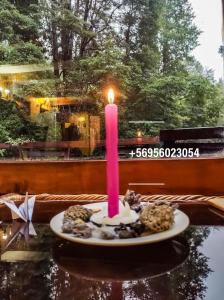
(111,96)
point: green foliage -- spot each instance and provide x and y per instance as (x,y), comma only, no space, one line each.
(179,35)
(37,88)
(204,99)
(161,100)
(18,24)
(48,120)
(19,35)
(21,53)
(15,128)
(148,54)
(90,75)
(180,101)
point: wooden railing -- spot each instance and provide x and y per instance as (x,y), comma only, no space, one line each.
(201,176)
(65,146)
(180,137)
(82,143)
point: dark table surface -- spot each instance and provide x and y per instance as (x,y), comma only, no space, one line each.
(189,266)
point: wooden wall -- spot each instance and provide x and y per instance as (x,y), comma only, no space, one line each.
(184,176)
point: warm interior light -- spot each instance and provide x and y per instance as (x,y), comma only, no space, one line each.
(4,236)
(111,96)
(139,133)
(7,91)
(81,119)
(1,88)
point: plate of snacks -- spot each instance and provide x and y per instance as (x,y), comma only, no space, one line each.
(137,223)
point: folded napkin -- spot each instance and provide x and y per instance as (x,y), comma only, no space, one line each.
(217,203)
(24,211)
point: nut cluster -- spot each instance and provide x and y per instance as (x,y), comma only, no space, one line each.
(157,217)
(78,212)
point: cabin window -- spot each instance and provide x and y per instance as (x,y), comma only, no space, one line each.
(163,59)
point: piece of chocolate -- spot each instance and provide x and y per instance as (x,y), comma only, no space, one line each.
(106,235)
(138,228)
(68,226)
(126,234)
(82,231)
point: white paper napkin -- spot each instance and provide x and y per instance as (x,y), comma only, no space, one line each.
(24,211)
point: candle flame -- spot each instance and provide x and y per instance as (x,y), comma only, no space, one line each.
(139,133)
(111,96)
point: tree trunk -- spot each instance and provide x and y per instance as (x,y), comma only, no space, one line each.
(55,53)
(67,45)
(84,39)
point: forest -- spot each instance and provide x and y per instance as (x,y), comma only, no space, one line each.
(142,48)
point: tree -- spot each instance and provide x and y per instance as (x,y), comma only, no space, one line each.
(19,36)
(178,36)
(15,128)
(75,29)
(204,101)
(148,30)
(141,47)
(167,83)
(90,75)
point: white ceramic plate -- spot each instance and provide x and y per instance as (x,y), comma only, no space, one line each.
(180,224)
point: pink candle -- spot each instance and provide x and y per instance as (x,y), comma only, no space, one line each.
(111,122)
